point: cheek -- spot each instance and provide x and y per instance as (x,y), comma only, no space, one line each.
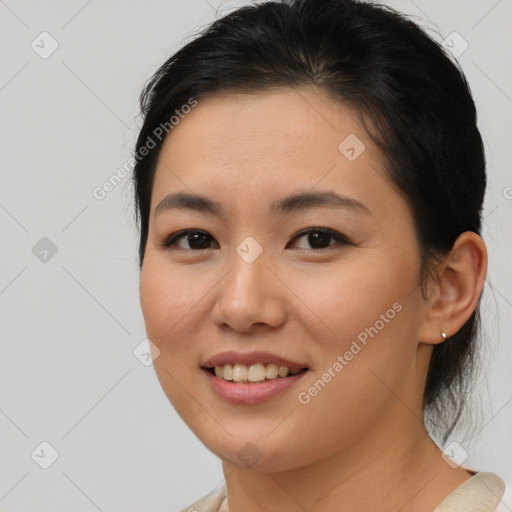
(369,350)
(167,300)
(354,295)
(369,310)
(373,309)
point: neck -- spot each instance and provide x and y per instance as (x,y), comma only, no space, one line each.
(388,469)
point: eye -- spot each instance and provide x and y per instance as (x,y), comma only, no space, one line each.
(196,240)
(320,238)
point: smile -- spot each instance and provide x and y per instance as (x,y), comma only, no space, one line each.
(256,372)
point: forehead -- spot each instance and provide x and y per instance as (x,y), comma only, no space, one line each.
(267,125)
(259,144)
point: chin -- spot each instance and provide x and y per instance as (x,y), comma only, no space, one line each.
(255,451)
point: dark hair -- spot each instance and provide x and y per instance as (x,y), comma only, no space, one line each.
(401,82)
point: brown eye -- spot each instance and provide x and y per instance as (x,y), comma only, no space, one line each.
(321,238)
(192,240)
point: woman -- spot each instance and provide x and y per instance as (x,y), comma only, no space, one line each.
(309,184)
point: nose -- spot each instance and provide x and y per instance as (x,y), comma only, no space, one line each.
(249,296)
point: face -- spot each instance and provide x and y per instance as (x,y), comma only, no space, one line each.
(288,246)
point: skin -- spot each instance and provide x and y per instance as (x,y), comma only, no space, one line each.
(360,443)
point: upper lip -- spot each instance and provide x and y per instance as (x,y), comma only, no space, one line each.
(250,358)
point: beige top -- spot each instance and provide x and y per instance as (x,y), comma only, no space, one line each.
(481,493)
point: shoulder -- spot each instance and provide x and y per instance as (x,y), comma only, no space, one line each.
(209,503)
(481,493)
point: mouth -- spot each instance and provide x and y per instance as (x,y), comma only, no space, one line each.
(253,373)
(252,367)
(252,378)
(249,392)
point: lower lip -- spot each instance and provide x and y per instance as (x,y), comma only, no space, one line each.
(255,393)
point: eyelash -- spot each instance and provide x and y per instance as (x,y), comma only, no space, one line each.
(338,237)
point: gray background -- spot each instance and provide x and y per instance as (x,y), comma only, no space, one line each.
(71,320)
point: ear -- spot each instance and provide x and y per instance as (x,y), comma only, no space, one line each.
(455,288)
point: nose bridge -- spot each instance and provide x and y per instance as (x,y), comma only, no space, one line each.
(246,295)
(247,277)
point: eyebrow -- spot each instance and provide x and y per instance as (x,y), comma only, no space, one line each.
(294,202)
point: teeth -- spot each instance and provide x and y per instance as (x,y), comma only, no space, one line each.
(272,371)
(240,372)
(254,373)
(283,371)
(226,372)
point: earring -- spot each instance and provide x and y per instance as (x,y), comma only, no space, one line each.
(443,334)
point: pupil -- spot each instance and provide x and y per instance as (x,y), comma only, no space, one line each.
(318,240)
(198,241)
